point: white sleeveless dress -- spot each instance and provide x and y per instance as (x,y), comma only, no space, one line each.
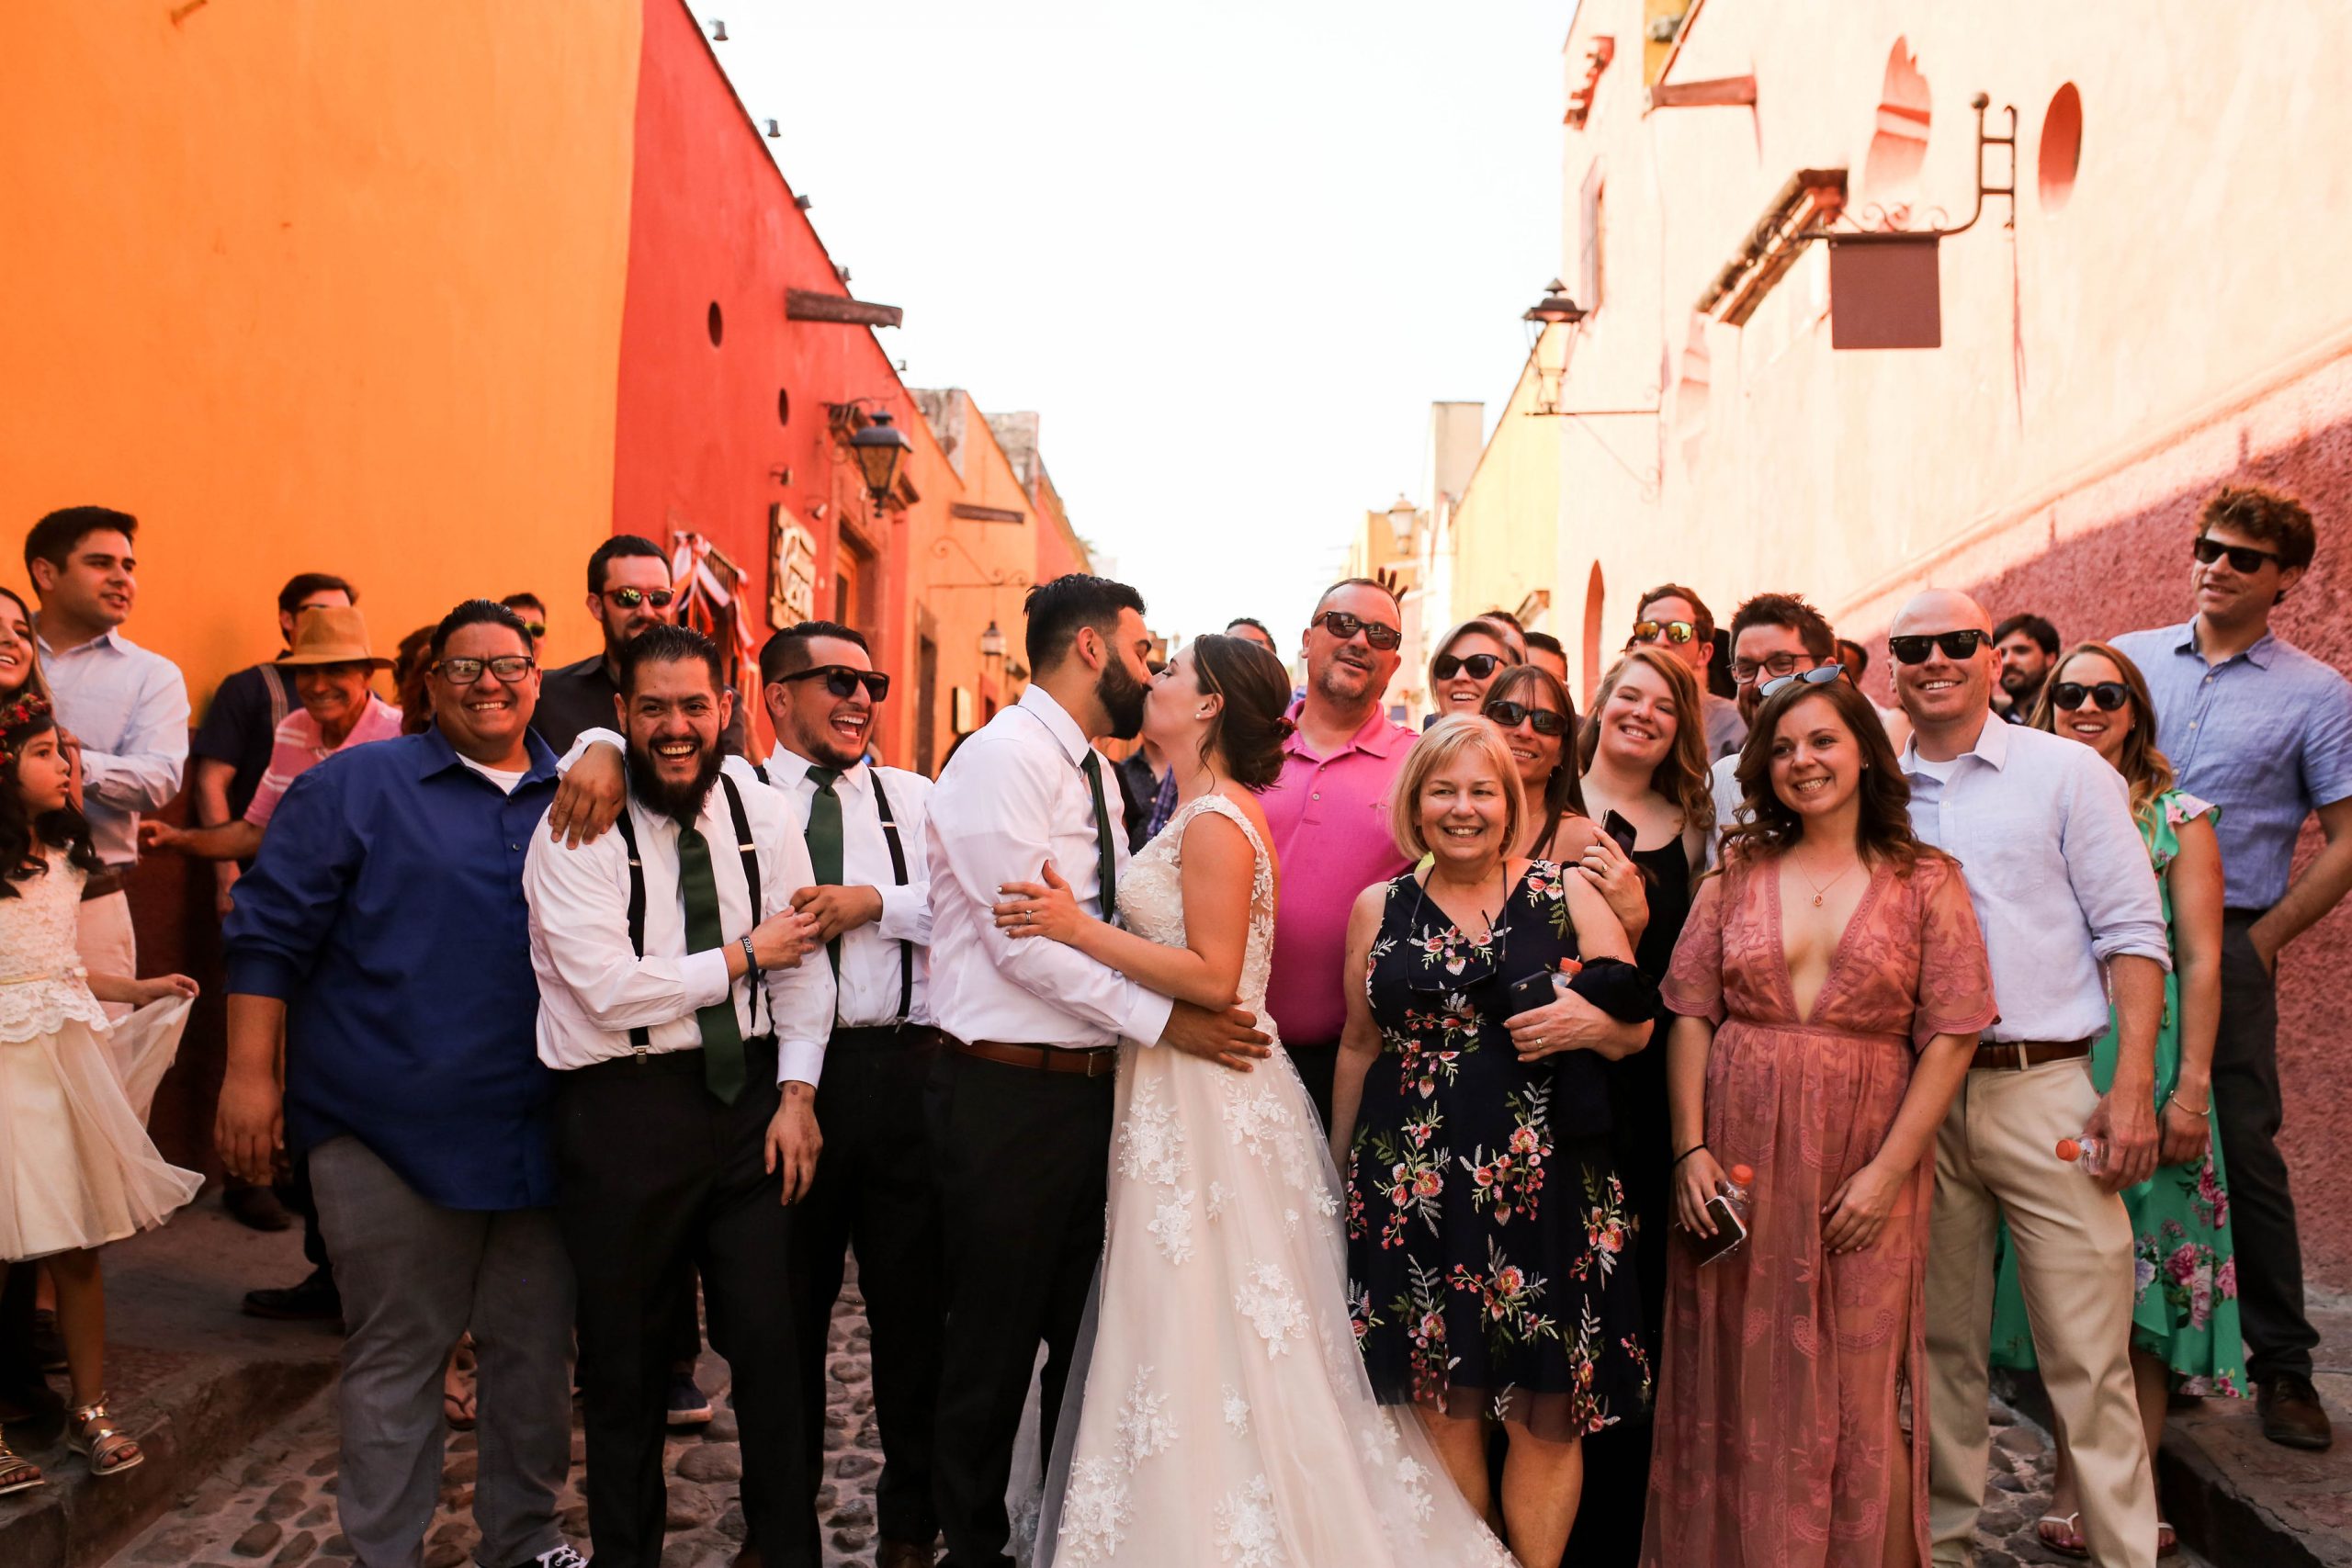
(76,1168)
(1226,1417)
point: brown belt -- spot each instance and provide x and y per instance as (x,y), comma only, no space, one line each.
(1097,1062)
(2017,1055)
(104,882)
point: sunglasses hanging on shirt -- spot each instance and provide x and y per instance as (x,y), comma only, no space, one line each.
(1820,675)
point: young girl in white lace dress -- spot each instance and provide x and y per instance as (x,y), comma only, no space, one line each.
(76,1168)
(1224,1416)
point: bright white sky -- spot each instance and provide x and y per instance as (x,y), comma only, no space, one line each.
(1229,252)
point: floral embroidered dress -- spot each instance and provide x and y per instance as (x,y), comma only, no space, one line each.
(76,1169)
(1224,1416)
(2185,1312)
(1784,1366)
(1489,1249)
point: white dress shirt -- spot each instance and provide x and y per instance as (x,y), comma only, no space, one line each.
(1014,798)
(129,708)
(2043,834)
(872,953)
(593,988)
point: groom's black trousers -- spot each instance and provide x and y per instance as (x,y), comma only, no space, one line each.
(1023,1160)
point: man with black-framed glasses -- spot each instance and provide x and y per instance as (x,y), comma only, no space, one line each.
(628,590)
(1772,635)
(1330,808)
(2264,731)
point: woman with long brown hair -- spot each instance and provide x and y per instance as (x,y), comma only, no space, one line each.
(1829,986)
(2185,1315)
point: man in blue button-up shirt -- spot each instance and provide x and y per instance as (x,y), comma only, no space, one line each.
(383,933)
(2263,730)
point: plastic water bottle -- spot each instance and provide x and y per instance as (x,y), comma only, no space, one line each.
(2090,1153)
(1736,1190)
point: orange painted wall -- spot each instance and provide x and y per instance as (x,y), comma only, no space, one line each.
(308,285)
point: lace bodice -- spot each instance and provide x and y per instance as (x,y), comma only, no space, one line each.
(41,972)
(1151,895)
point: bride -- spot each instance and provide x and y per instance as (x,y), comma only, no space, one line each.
(1226,1417)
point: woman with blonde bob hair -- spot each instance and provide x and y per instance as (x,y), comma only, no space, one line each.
(1489,1263)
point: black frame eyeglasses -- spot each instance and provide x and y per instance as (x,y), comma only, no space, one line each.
(1510,715)
(2068,695)
(2243,558)
(1956,645)
(841,681)
(1646,632)
(631,598)
(1344,626)
(1478,666)
(1771,667)
(1819,675)
(509,668)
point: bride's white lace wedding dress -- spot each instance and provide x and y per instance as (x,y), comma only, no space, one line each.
(1226,1417)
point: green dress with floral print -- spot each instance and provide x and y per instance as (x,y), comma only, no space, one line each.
(2185,1310)
(1490,1261)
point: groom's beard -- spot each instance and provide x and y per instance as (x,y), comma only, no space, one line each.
(1121,696)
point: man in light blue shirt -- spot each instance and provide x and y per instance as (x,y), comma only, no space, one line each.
(125,706)
(2062,888)
(2263,730)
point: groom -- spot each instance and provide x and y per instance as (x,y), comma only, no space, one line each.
(1021,1103)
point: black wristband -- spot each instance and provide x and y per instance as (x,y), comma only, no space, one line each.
(1685,1155)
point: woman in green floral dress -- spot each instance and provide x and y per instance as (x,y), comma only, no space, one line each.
(2184,1317)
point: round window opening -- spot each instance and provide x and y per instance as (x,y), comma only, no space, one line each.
(783,406)
(716,324)
(2062,147)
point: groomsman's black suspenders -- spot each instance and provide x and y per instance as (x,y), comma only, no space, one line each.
(898,874)
(637,1036)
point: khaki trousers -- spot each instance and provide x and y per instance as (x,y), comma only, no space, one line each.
(1995,1157)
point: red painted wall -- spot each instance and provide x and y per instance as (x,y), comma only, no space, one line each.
(700,445)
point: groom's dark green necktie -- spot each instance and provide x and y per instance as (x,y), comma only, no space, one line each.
(825,843)
(1106,856)
(723,1035)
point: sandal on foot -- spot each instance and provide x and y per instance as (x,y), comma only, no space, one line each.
(94,1435)
(16,1473)
(2067,1539)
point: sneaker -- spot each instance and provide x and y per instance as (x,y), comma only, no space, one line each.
(689,1406)
(315,1300)
(2291,1414)
(556,1556)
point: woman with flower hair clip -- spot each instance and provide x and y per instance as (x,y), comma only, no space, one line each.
(77,1170)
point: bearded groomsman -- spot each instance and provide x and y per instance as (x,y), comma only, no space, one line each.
(687,1032)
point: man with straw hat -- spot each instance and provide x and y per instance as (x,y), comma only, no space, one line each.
(332,666)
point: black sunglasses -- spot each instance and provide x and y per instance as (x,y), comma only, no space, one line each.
(2072,694)
(1342,625)
(1479,665)
(1673,631)
(1820,675)
(631,598)
(1955,645)
(1511,715)
(841,679)
(2243,558)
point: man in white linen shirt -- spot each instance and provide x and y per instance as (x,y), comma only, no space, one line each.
(1021,1101)
(125,706)
(690,1030)
(2043,834)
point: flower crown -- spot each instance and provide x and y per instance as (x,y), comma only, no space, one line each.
(26,710)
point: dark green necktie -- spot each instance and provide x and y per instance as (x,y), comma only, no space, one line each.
(722,1036)
(825,843)
(1107,857)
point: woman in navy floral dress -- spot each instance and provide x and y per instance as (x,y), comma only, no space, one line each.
(1490,1270)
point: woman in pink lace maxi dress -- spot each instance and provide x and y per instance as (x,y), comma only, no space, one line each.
(1785,1361)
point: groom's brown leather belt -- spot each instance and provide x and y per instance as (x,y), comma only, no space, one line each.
(2018,1054)
(1097,1062)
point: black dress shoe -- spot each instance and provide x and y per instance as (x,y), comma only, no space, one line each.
(2291,1414)
(315,1300)
(255,1208)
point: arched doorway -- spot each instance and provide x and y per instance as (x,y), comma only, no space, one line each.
(1591,670)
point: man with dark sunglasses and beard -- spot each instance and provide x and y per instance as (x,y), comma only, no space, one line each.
(628,594)
(684,1007)
(1020,1100)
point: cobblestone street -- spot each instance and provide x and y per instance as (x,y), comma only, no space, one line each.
(273,1506)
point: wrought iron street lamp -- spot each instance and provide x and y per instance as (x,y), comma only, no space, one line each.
(879,447)
(992,641)
(1401,517)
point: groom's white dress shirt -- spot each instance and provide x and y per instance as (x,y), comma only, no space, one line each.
(1016,797)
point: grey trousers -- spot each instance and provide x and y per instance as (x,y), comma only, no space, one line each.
(413,1276)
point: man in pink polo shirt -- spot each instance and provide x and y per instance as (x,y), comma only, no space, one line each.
(1329,817)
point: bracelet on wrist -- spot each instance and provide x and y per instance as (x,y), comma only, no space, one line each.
(2174,1099)
(751,959)
(1685,1155)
